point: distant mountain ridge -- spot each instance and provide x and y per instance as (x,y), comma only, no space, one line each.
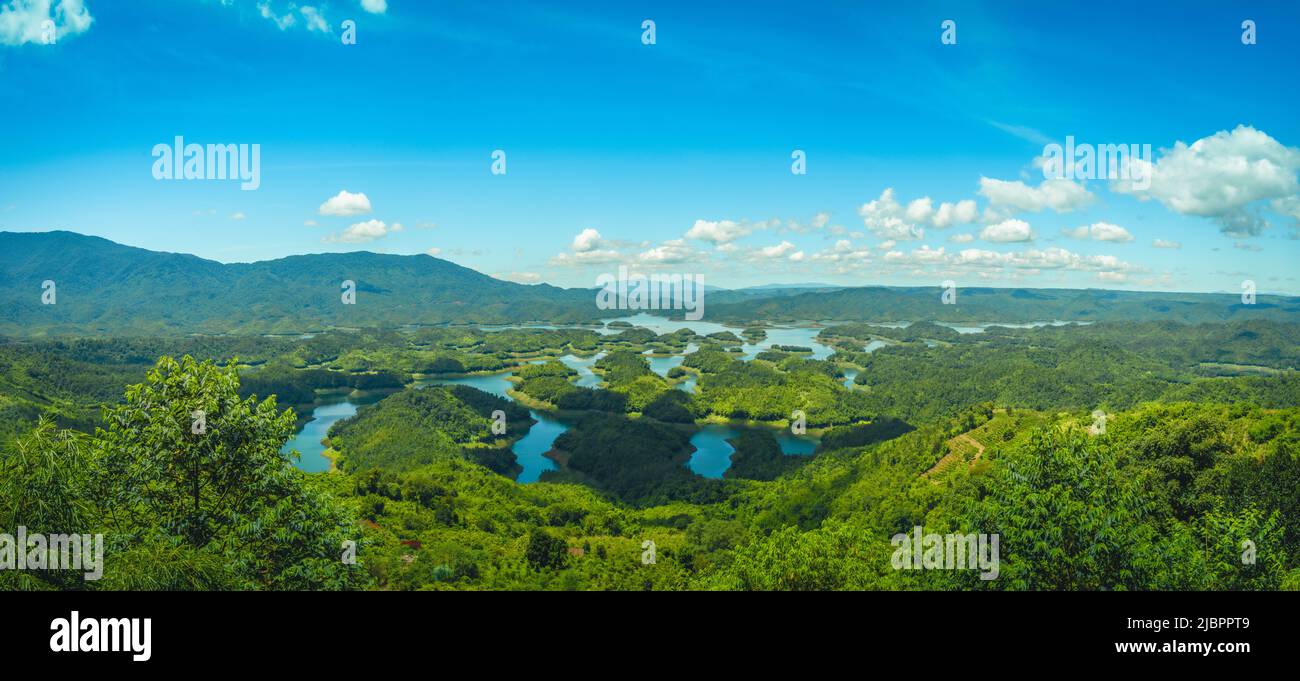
(106,288)
(102,287)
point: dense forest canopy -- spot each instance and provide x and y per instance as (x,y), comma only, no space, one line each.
(1197,453)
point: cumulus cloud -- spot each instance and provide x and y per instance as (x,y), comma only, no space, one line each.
(949,214)
(346,204)
(961,238)
(718,231)
(778,251)
(887,219)
(588,239)
(1220,176)
(362,232)
(588,248)
(818,222)
(670,253)
(433,252)
(1100,231)
(25,21)
(1035,259)
(1008,231)
(1061,196)
(375,6)
(237,216)
(1162,243)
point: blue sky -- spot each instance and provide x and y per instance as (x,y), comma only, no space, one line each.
(677,155)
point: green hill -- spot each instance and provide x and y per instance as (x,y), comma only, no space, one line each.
(107,288)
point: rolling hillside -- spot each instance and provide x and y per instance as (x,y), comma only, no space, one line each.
(108,288)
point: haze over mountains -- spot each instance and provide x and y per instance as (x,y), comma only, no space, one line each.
(105,288)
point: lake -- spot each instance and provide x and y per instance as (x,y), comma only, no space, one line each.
(331,407)
(530,449)
(712,455)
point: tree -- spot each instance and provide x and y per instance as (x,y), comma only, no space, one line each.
(217,484)
(545,550)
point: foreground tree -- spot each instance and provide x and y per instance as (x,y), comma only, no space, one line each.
(188,481)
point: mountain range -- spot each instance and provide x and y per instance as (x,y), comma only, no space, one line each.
(105,288)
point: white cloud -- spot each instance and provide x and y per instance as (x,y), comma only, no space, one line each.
(1034,259)
(818,222)
(345,204)
(281,21)
(433,252)
(884,218)
(717,231)
(362,232)
(670,253)
(23,21)
(1061,196)
(1008,231)
(595,257)
(375,6)
(588,248)
(778,251)
(309,223)
(1161,243)
(519,277)
(315,21)
(587,240)
(1100,231)
(919,210)
(950,214)
(887,219)
(237,216)
(961,238)
(1219,176)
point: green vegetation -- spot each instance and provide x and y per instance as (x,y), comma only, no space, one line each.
(416,427)
(964,433)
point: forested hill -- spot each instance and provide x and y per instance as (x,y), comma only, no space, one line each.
(106,288)
(985,305)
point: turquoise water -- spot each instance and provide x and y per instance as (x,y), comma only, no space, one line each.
(335,408)
(497,384)
(798,336)
(529,449)
(796,445)
(661,365)
(586,377)
(712,455)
